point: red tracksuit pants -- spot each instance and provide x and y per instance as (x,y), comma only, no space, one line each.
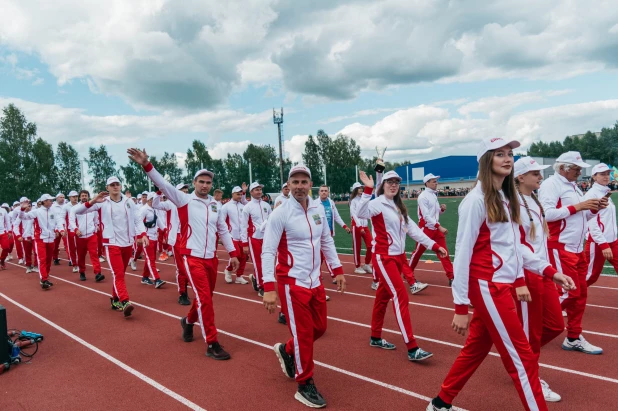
(100,243)
(88,245)
(242,259)
(202,274)
(5,244)
(70,247)
(440,239)
(541,318)
(56,249)
(388,269)
(574,301)
(118,260)
(150,265)
(44,254)
(495,322)
(356,244)
(596,261)
(28,249)
(255,249)
(305,310)
(19,245)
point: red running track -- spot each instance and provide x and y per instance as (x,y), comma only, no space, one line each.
(92,356)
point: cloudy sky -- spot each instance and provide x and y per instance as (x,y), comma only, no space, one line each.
(427,78)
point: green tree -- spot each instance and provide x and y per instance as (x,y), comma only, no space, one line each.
(264,165)
(134,177)
(341,167)
(42,172)
(198,157)
(237,171)
(168,165)
(313,160)
(100,167)
(68,167)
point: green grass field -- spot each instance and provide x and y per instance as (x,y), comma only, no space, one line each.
(343,241)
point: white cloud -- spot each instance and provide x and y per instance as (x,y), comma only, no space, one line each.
(220,150)
(295,147)
(361,113)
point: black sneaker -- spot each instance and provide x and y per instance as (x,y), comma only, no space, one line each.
(147,281)
(261,292)
(82,276)
(184,299)
(216,351)
(254,282)
(308,394)
(286,360)
(282,319)
(99,277)
(450,282)
(158,283)
(70,264)
(45,284)
(127,308)
(187,330)
(116,305)
(381,343)
(57,261)
(419,355)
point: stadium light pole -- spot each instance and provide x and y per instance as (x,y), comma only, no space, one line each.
(278,120)
(251,174)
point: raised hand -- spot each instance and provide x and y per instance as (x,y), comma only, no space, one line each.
(99,198)
(244,187)
(366,180)
(139,156)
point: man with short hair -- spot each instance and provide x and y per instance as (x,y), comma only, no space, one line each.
(57,207)
(231,212)
(284,196)
(84,228)
(300,228)
(332,217)
(567,214)
(218,196)
(252,225)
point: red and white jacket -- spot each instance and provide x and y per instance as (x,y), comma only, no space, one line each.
(6,226)
(281,199)
(46,223)
(429,209)
(567,227)
(602,227)
(200,220)
(253,220)
(490,252)
(173,222)
(539,245)
(389,230)
(120,220)
(231,212)
(357,220)
(296,237)
(148,214)
(87,224)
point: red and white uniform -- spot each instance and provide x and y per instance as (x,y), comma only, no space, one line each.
(6,228)
(17,233)
(59,211)
(148,214)
(429,212)
(45,225)
(602,233)
(296,238)
(231,212)
(389,258)
(490,261)
(200,223)
(68,240)
(252,225)
(359,225)
(282,198)
(567,230)
(119,221)
(87,242)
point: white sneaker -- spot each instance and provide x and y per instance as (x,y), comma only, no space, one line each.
(228,276)
(21,261)
(564,314)
(417,287)
(75,269)
(101,259)
(29,270)
(368,269)
(374,285)
(9,257)
(133,265)
(241,280)
(35,269)
(581,345)
(431,407)
(327,298)
(549,395)
(359,270)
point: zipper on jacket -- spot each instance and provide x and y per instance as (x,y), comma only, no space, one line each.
(312,247)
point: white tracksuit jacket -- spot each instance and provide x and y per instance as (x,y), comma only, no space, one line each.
(147,214)
(46,223)
(253,222)
(87,223)
(6,226)
(428,209)
(539,245)
(356,219)
(281,199)
(602,227)
(296,237)
(231,212)
(173,221)
(200,220)
(489,251)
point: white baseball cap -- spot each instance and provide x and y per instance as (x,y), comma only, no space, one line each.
(391,174)
(5,205)
(112,180)
(59,195)
(572,157)
(429,177)
(181,186)
(299,168)
(15,203)
(204,172)
(599,168)
(73,193)
(255,184)
(21,200)
(236,190)
(284,185)
(144,193)
(525,164)
(151,196)
(356,185)
(494,143)
(46,197)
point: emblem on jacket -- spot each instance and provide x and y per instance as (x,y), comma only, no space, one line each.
(213,208)
(128,205)
(317,219)
(265,209)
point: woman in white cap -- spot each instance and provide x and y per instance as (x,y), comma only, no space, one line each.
(542,317)
(602,242)
(360,232)
(391,224)
(488,265)
(153,224)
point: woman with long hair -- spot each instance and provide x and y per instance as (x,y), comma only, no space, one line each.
(360,232)
(391,224)
(489,264)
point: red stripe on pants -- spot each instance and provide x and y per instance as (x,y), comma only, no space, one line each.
(150,265)
(118,259)
(356,244)
(305,310)
(56,248)
(255,249)
(70,246)
(44,253)
(388,269)
(242,259)
(202,275)
(440,239)
(573,302)
(5,245)
(595,260)
(495,322)
(88,245)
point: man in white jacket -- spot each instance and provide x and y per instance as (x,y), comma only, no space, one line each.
(6,235)
(284,196)
(231,212)
(58,208)
(252,225)
(153,224)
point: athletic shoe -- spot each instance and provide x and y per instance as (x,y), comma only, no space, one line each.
(564,313)
(581,345)
(35,269)
(254,282)
(163,256)
(147,281)
(187,330)
(20,261)
(359,270)
(169,253)
(417,287)
(381,343)
(241,280)
(334,281)
(228,276)
(45,284)
(549,395)
(432,407)
(159,283)
(450,282)
(419,355)
(99,277)
(328,298)
(82,276)
(75,269)
(133,265)
(9,257)
(2,265)
(282,320)
(57,261)
(101,259)
(308,394)
(70,264)
(29,269)
(368,269)
(158,270)
(261,292)
(183,299)
(374,285)
(116,305)
(216,351)
(286,360)
(127,308)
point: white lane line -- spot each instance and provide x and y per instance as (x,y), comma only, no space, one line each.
(109,358)
(605,288)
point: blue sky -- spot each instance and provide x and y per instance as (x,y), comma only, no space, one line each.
(426,80)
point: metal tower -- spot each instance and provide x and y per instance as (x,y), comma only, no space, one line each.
(278,120)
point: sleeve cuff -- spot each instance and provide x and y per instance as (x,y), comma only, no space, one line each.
(142,235)
(345,227)
(435,247)
(461,309)
(269,287)
(572,209)
(159,192)
(245,244)
(520,282)
(549,272)
(436,225)
(148,167)
(233,254)
(604,246)
(368,190)
(338,271)
(87,204)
